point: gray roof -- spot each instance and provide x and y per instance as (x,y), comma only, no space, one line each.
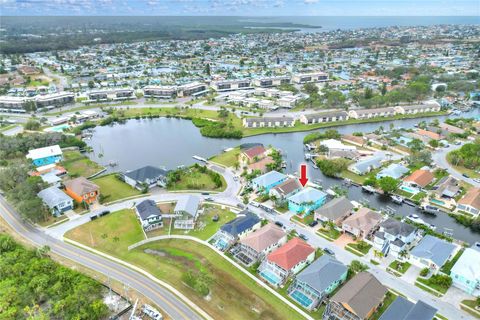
(322,273)
(331,114)
(371,162)
(402,309)
(148,208)
(244,221)
(397,228)
(434,249)
(188,204)
(268,119)
(53,196)
(147,172)
(335,209)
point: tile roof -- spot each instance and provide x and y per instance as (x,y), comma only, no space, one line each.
(429,134)
(420,177)
(287,186)
(364,219)
(254,152)
(434,249)
(264,237)
(335,209)
(402,309)
(362,294)
(322,273)
(291,253)
(81,186)
(471,198)
(244,221)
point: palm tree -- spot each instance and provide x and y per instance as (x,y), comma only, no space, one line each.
(403,254)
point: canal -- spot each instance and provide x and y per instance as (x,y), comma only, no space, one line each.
(169,142)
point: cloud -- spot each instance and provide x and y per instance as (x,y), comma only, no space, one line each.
(310,1)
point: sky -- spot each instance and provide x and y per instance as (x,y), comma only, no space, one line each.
(242,7)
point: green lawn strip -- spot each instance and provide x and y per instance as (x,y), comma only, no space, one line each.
(399,267)
(78,164)
(355,246)
(52,220)
(7,127)
(305,220)
(355,252)
(389,298)
(374,262)
(114,189)
(354,177)
(419,196)
(440,317)
(227,159)
(449,264)
(427,282)
(329,233)
(193,179)
(232,294)
(469,306)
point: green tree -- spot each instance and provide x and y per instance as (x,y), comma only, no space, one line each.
(388,184)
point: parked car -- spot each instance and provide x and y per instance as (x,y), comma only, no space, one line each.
(328,251)
(313,223)
(278,223)
(477,180)
(254,204)
(208,199)
(303,237)
(465,175)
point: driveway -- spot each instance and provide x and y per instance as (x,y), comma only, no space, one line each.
(343,240)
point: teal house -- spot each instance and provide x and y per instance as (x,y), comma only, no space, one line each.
(465,273)
(45,156)
(317,281)
(307,200)
(268,180)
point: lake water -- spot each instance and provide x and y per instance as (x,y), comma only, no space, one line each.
(169,142)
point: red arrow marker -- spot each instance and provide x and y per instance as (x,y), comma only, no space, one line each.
(303,177)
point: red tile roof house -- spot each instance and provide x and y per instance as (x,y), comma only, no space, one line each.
(287,260)
(253,154)
(419,178)
(429,134)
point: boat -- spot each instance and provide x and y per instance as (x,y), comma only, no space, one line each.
(430,210)
(397,199)
(416,219)
(368,189)
(199,159)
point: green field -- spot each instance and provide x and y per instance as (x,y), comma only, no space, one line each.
(400,267)
(113,189)
(232,295)
(362,249)
(193,179)
(227,159)
(79,165)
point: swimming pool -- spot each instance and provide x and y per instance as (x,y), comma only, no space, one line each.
(301,298)
(221,244)
(271,277)
(410,189)
(59,128)
(439,202)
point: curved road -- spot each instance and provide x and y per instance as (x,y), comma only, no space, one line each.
(162,297)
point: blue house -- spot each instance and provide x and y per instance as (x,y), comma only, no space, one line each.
(395,171)
(45,156)
(466,272)
(306,200)
(268,180)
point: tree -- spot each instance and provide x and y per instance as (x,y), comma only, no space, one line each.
(310,88)
(207,69)
(415,145)
(91,84)
(32,125)
(356,266)
(388,184)
(368,94)
(332,168)
(384,89)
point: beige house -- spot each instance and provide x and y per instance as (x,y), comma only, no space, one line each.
(420,108)
(269,122)
(362,223)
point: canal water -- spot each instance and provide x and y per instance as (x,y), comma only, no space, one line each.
(169,142)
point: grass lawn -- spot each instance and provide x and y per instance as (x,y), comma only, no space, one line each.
(354,177)
(429,282)
(193,179)
(361,248)
(472,304)
(51,220)
(330,233)
(419,196)
(232,295)
(114,189)
(449,264)
(404,193)
(400,267)
(305,220)
(79,165)
(389,298)
(471,173)
(228,159)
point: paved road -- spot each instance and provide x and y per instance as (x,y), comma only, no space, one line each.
(166,300)
(439,157)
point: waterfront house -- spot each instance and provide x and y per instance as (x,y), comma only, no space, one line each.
(432,252)
(261,165)
(394,170)
(415,109)
(317,281)
(149,215)
(371,113)
(238,228)
(334,211)
(449,129)
(419,179)
(322,117)
(256,245)
(269,122)
(362,223)
(366,165)
(306,200)
(470,202)
(44,156)
(447,187)
(466,272)
(358,299)
(286,189)
(429,135)
(253,154)
(149,175)
(337,149)
(393,237)
(186,212)
(56,200)
(82,190)
(268,180)
(403,309)
(287,260)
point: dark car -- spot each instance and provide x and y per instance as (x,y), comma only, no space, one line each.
(303,237)
(465,175)
(313,223)
(278,223)
(328,251)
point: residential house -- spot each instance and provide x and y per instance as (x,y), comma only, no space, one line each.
(268,180)
(447,187)
(393,237)
(465,273)
(366,165)
(269,122)
(317,281)
(149,215)
(287,260)
(415,109)
(149,175)
(186,211)
(285,189)
(306,200)
(394,170)
(419,179)
(371,113)
(470,202)
(82,190)
(256,245)
(358,299)
(322,117)
(429,135)
(449,129)
(45,156)
(261,165)
(403,309)
(337,149)
(362,223)
(432,252)
(334,211)
(56,200)
(253,154)
(238,228)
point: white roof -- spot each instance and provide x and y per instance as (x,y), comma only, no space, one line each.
(336,144)
(44,152)
(468,265)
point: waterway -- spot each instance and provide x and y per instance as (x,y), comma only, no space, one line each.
(169,142)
